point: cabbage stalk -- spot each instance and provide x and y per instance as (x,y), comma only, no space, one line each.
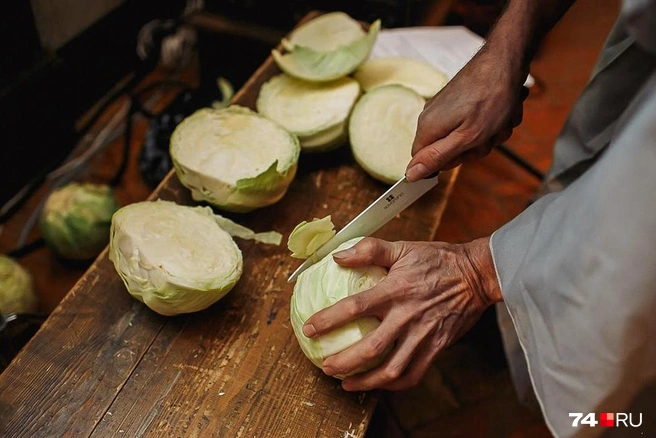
(326,48)
(173,258)
(234,158)
(382,128)
(75,220)
(419,76)
(322,285)
(16,291)
(315,112)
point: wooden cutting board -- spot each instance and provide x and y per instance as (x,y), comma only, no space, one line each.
(104,364)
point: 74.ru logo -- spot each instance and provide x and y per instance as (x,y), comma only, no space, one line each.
(606,419)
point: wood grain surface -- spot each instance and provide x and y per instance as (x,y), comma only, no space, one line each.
(104,364)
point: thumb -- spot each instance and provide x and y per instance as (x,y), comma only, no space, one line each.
(434,157)
(369,251)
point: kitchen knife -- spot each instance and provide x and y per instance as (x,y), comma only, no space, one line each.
(381,211)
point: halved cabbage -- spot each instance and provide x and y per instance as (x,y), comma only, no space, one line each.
(326,48)
(307,237)
(173,258)
(315,112)
(420,77)
(382,128)
(234,158)
(322,285)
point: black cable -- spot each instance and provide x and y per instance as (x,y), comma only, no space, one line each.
(26,249)
(25,193)
(512,156)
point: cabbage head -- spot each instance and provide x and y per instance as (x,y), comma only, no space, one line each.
(16,292)
(75,220)
(322,285)
(173,258)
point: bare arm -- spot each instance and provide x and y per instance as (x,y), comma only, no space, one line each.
(481,105)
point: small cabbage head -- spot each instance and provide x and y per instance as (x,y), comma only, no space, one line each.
(173,258)
(75,220)
(322,285)
(16,292)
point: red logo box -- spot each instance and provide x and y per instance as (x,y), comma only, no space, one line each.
(607,419)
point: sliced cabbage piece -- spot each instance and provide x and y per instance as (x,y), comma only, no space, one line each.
(315,112)
(307,237)
(238,230)
(420,77)
(234,158)
(322,285)
(326,48)
(173,258)
(382,128)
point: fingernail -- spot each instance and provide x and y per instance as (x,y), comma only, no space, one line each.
(344,254)
(416,172)
(309,330)
(328,370)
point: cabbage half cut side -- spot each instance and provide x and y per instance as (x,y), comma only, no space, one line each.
(175,259)
(326,48)
(420,77)
(316,112)
(382,128)
(234,158)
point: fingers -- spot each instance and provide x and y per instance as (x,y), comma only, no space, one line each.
(435,156)
(369,251)
(431,129)
(346,310)
(365,352)
(501,136)
(415,370)
(518,114)
(390,371)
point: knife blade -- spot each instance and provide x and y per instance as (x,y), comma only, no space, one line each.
(400,196)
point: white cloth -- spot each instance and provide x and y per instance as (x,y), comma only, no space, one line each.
(578,268)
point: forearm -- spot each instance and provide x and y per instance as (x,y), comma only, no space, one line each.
(519,31)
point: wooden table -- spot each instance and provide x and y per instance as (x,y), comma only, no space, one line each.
(103,364)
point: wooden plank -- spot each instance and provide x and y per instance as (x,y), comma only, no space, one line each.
(104,364)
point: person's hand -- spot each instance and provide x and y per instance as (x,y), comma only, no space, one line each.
(434,292)
(474,112)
